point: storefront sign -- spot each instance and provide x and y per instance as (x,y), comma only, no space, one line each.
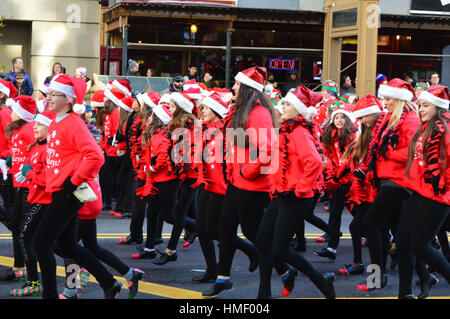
(433,7)
(229,3)
(281,64)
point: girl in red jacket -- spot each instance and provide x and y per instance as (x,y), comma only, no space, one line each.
(210,176)
(336,138)
(249,139)
(20,131)
(292,190)
(428,176)
(184,129)
(73,157)
(33,171)
(388,152)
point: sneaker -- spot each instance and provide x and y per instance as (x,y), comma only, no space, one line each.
(288,283)
(29,289)
(134,282)
(328,289)
(165,258)
(113,212)
(352,269)
(326,208)
(144,254)
(323,239)
(324,252)
(426,286)
(122,215)
(363,285)
(364,242)
(10,275)
(113,291)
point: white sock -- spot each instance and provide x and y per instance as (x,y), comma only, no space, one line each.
(331,249)
(149,249)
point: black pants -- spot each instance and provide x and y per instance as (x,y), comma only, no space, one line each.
(337,205)
(277,228)
(388,204)
(207,228)
(419,225)
(125,183)
(140,207)
(7,193)
(161,208)
(312,219)
(443,239)
(239,207)
(108,178)
(59,225)
(21,206)
(356,227)
(32,220)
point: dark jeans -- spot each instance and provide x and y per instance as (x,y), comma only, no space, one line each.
(240,207)
(59,226)
(419,224)
(336,208)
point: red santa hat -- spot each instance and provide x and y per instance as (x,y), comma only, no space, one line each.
(183,101)
(25,107)
(10,91)
(191,84)
(151,99)
(346,110)
(397,89)
(98,99)
(304,100)
(126,103)
(255,77)
(437,95)
(121,84)
(71,87)
(45,117)
(367,105)
(195,93)
(163,113)
(115,95)
(165,99)
(218,102)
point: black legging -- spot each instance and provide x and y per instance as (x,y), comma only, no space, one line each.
(207,228)
(32,220)
(337,205)
(125,181)
(276,230)
(59,225)
(108,178)
(356,227)
(239,207)
(140,207)
(419,225)
(312,219)
(7,192)
(21,206)
(389,202)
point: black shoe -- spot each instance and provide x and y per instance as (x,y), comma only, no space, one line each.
(107,207)
(328,289)
(324,252)
(288,283)
(164,259)
(189,239)
(253,262)
(111,293)
(301,245)
(206,277)
(159,241)
(130,240)
(134,282)
(426,286)
(218,288)
(144,254)
(411,296)
(10,275)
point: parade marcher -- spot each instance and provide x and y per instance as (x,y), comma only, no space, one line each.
(388,152)
(427,175)
(247,168)
(292,197)
(419,88)
(73,157)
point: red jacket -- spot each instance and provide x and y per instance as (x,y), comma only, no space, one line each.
(429,181)
(393,167)
(71,151)
(300,163)
(111,125)
(37,176)
(135,142)
(243,172)
(91,210)
(20,140)
(5,119)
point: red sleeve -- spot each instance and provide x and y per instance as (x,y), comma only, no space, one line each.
(409,127)
(162,146)
(37,175)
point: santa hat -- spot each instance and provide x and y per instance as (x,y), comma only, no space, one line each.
(303,100)
(194,93)
(163,113)
(397,89)
(10,91)
(380,78)
(323,108)
(41,105)
(349,98)
(43,88)
(115,95)
(151,99)
(331,87)
(121,84)
(367,105)
(98,99)
(254,77)
(45,117)
(191,84)
(218,102)
(165,99)
(25,107)
(279,106)
(437,95)
(126,103)
(183,101)
(73,87)
(346,110)
(423,85)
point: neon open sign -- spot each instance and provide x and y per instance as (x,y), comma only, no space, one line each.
(281,64)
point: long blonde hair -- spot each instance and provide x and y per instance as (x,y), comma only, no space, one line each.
(398,111)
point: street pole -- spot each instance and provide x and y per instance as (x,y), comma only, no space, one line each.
(228,59)
(125,50)
(108,44)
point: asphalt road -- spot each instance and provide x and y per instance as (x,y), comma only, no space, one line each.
(173,280)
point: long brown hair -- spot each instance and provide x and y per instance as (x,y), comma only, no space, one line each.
(361,145)
(179,118)
(346,134)
(426,135)
(150,129)
(124,115)
(109,106)
(13,126)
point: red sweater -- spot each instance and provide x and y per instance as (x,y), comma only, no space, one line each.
(37,176)
(135,143)
(243,172)
(158,162)
(111,125)
(5,119)
(421,177)
(71,151)
(300,163)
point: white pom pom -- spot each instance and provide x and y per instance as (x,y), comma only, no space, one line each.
(312,111)
(268,88)
(9,102)
(40,106)
(79,108)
